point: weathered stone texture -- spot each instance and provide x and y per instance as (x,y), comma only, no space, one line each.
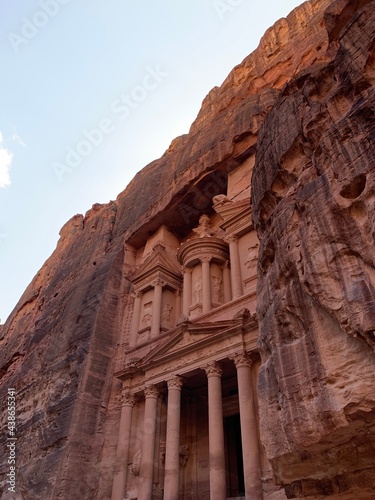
(313,206)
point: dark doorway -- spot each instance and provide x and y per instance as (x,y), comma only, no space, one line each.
(234,461)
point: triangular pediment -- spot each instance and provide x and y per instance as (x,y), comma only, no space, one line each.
(159,260)
(189,336)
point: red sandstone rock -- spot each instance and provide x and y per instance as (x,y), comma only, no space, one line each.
(313,205)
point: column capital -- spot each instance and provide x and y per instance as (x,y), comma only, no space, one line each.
(136,294)
(206,258)
(242,359)
(175,383)
(230,238)
(151,391)
(158,282)
(187,270)
(213,369)
(127,399)
(226,264)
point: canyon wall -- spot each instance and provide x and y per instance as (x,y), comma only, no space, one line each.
(313,206)
(303,103)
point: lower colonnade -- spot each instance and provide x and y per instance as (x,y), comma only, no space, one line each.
(218,487)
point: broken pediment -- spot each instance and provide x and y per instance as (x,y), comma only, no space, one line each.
(159,264)
(236,215)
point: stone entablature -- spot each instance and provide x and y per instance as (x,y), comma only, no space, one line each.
(192,251)
(190,345)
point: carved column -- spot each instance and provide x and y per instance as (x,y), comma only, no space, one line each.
(226,283)
(235,266)
(206,284)
(135,318)
(156,307)
(249,428)
(146,470)
(218,490)
(172,451)
(122,454)
(187,288)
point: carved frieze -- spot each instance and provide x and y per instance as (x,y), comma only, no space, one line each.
(193,251)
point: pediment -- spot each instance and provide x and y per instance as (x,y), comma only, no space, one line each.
(227,208)
(189,336)
(236,215)
(159,260)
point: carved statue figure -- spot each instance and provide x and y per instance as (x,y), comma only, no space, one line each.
(204,228)
(221,199)
(198,292)
(216,289)
(147,315)
(136,463)
(252,257)
(166,314)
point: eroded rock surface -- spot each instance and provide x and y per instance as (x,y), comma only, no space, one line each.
(313,205)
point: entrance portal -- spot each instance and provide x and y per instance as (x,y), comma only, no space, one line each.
(234,461)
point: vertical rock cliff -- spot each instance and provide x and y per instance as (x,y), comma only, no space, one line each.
(303,102)
(313,205)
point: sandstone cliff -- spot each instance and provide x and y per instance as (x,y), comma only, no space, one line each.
(307,91)
(313,204)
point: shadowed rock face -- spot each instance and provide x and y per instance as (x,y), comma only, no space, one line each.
(313,205)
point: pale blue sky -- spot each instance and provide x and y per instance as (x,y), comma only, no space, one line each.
(68,67)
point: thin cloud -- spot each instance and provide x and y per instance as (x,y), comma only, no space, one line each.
(18,138)
(5,163)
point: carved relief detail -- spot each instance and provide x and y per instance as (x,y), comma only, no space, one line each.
(136,465)
(151,391)
(206,258)
(204,228)
(166,318)
(158,282)
(183,454)
(127,399)
(242,359)
(197,292)
(252,258)
(230,238)
(147,315)
(213,369)
(175,382)
(217,289)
